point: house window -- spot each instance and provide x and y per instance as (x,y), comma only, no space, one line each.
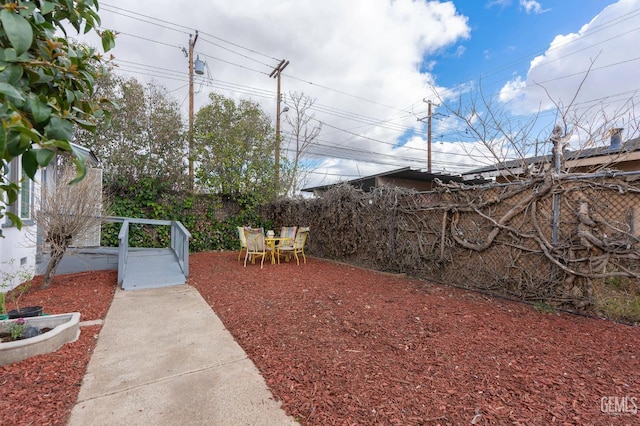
(25,197)
(22,206)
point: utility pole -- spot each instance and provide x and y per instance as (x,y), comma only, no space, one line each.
(428,117)
(429,114)
(276,74)
(192,43)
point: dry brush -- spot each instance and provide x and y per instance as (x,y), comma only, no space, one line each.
(547,240)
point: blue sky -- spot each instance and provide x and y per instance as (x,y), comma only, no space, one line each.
(504,35)
(369,66)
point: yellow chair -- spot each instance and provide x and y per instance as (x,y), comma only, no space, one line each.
(288,232)
(256,246)
(297,247)
(243,241)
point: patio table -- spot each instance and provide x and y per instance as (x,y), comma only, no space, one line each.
(272,242)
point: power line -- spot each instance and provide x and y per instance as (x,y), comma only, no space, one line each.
(330,149)
(119,11)
(590,32)
(139,68)
(150,20)
(358,135)
(361,118)
(343,93)
(233,63)
(398,163)
(144,38)
(169,24)
(367,121)
(582,72)
(258,71)
(242,47)
(358,153)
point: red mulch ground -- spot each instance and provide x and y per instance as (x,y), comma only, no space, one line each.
(341,345)
(42,390)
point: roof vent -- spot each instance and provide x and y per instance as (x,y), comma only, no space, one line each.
(616,135)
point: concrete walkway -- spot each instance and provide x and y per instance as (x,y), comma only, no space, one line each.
(164,358)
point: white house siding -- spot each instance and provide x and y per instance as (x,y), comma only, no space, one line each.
(20,250)
(17,255)
(18,247)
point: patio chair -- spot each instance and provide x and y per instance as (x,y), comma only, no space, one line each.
(243,241)
(288,232)
(256,246)
(298,246)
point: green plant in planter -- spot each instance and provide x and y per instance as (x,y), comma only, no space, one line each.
(16,329)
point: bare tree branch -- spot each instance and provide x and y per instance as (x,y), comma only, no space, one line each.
(301,137)
(67,213)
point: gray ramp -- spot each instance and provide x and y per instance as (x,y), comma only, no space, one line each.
(152,268)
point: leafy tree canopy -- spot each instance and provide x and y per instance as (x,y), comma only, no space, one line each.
(144,138)
(46,83)
(234,148)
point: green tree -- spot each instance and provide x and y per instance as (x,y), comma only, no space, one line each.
(46,83)
(144,138)
(234,148)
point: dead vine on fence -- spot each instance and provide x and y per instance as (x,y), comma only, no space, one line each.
(497,238)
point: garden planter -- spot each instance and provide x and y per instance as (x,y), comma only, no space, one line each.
(26,312)
(63,328)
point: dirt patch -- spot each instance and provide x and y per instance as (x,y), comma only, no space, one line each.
(339,345)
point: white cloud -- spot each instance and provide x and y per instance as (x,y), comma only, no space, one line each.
(361,58)
(532,6)
(561,75)
(365,62)
(499,3)
(460,51)
(512,90)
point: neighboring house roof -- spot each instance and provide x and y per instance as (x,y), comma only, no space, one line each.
(590,157)
(406,177)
